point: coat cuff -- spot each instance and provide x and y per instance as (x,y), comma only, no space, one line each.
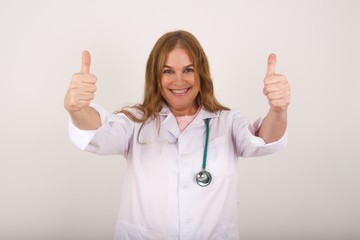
(82,138)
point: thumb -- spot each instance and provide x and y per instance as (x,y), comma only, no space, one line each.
(86,60)
(271,64)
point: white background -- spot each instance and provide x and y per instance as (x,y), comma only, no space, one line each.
(49,189)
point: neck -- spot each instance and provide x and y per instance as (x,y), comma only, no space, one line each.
(185,112)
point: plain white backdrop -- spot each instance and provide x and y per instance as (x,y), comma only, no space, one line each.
(49,189)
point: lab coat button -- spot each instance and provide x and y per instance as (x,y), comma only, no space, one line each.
(186,186)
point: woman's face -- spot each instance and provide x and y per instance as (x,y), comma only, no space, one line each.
(180,83)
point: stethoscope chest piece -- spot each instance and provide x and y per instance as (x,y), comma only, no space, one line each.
(203,178)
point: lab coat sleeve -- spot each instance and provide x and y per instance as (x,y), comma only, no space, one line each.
(249,145)
(111,138)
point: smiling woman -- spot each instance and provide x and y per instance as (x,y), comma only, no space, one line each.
(177,59)
(180,84)
(169,137)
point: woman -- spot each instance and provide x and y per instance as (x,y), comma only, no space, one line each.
(181,144)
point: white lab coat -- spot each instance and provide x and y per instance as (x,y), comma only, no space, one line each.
(160,198)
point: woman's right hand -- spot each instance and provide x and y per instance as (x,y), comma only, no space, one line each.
(82,87)
(79,95)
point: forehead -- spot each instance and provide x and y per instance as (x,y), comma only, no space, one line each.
(178,56)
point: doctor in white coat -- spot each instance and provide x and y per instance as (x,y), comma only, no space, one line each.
(181,145)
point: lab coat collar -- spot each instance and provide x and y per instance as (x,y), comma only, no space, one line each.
(203,113)
(168,119)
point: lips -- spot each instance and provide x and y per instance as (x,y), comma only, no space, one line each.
(179,91)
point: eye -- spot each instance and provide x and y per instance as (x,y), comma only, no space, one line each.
(188,70)
(168,71)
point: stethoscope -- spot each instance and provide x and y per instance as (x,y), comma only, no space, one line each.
(203,178)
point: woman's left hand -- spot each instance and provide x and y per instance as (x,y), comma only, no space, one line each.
(276,87)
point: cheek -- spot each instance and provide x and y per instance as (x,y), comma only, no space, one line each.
(165,81)
(197,82)
(162,85)
(191,79)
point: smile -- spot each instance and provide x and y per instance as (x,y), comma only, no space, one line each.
(179,91)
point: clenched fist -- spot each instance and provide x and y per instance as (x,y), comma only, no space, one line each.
(276,87)
(82,87)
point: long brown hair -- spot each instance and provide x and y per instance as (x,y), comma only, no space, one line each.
(153,99)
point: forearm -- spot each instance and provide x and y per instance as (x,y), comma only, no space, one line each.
(273,126)
(86,118)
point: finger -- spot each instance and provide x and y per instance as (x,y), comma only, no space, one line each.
(86,60)
(270,89)
(84,96)
(280,87)
(277,95)
(88,87)
(271,64)
(275,79)
(88,78)
(87,96)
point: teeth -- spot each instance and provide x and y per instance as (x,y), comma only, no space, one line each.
(179,91)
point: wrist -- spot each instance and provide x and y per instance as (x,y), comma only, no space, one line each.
(277,117)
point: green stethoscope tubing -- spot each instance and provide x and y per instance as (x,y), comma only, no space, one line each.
(206,143)
(203,178)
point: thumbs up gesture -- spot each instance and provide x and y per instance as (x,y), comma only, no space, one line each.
(276,87)
(82,87)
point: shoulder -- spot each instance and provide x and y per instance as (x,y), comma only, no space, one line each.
(230,114)
(133,113)
(232,119)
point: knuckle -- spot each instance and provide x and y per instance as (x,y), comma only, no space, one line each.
(75,75)
(91,78)
(73,86)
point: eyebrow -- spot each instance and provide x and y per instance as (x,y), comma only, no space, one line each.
(187,66)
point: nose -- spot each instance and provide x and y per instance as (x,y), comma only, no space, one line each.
(179,79)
